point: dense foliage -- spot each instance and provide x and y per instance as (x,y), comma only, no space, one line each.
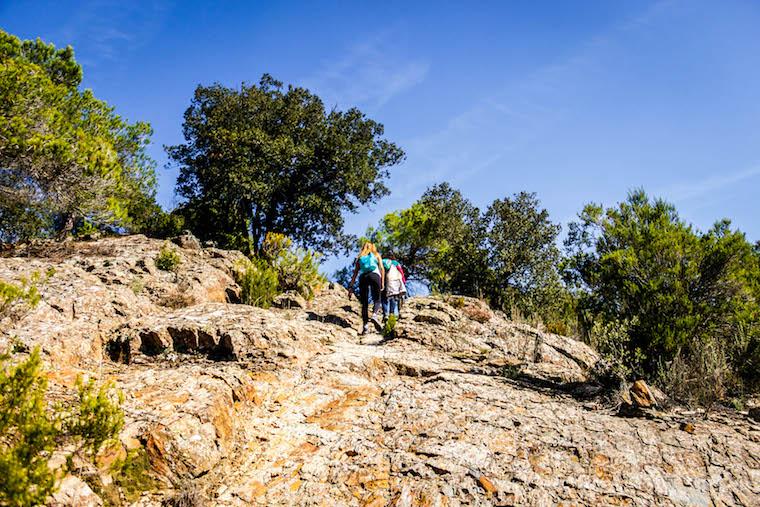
(297,268)
(506,254)
(27,434)
(265,159)
(65,156)
(658,295)
(167,259)
(30,431)
(258,282)
(280,267)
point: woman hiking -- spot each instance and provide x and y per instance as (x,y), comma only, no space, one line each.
(370,265)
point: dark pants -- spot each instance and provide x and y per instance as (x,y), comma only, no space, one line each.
(369,282)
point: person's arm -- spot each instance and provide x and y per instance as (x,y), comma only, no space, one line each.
(382,272)
(353,278)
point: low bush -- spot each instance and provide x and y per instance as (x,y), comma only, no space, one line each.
(25,293)
(168,259)
(30,430)
(297,268)
(456,301)
(512,371)
(478,313)
(137,285)
(188,495)
(177,299)
(700,377)
(389,328)
(132,474)
(86,230)
(27,434)
(258,282)
(97,416)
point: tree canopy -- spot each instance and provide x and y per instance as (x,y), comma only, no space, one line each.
(506,254)
(265,158)
(64,155)
(674,291)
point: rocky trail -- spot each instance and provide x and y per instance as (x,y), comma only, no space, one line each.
(289,406)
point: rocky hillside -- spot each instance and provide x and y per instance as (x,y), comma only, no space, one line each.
(289,406)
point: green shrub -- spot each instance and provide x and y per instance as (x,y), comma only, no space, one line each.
(258,283)
(24,293)
(132,474)
(97,417)
(30,431)
(389,328)
(27,434)
(168,259)
(86,229)
(512,371)
(456,301)
(137,285)
(297,268)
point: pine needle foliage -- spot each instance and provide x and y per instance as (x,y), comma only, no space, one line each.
(31,430)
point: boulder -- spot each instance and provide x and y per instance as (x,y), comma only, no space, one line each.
(74,492)
(219,331)
(289,300)
(187,241)
(641,395)
(433,317)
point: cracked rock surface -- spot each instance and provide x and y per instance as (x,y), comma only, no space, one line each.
(289,406)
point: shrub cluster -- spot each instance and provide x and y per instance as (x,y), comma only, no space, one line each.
(258,282)
(666,302)
(168,259)
(297,268)
(389,328)
(23,294)
(280,267)
(30,430)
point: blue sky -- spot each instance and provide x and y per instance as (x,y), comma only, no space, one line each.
(577,101)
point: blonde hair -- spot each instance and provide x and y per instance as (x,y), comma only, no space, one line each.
(368,247)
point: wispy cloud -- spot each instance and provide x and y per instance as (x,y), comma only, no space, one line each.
(523,110)
(107,29)
(369,75)
(695,189)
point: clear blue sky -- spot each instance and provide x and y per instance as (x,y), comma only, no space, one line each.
(578,101)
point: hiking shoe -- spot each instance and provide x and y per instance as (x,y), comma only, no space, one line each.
(365,329)
(376,321)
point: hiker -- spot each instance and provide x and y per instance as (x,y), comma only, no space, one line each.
(395,286)
(370,265)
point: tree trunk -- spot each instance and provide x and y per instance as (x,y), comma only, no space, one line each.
(67,227)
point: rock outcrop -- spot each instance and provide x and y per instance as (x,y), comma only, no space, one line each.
(289,406)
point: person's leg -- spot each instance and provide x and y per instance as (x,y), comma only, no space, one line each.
(392,305)
(364,282)
(384,300)
(374,285)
